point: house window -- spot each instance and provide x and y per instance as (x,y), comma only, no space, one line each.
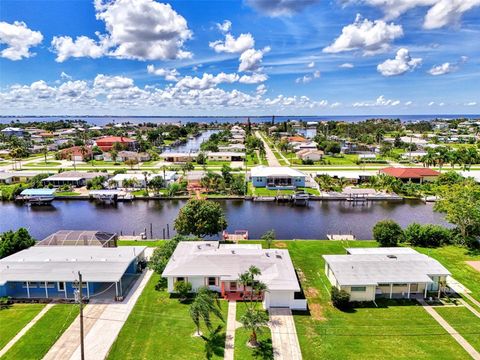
(212,281)
(358,288)
(30,284)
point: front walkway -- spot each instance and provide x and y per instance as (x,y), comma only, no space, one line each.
(458,338)
(102,324)
(284,335)
(231,326)
(27,327)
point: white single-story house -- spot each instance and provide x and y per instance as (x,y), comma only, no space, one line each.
(277,177)
(226,156)
(51,271)
(369,273)
(139,178)
(218,267)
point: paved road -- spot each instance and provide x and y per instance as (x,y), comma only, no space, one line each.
(458,338)
(284,335)
(271,159)
(102,324)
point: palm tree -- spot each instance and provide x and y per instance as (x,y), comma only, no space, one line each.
(254,320)
(206,303)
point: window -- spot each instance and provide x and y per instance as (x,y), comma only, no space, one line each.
(212,281)
(358,288)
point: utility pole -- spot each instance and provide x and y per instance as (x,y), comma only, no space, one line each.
(79,297)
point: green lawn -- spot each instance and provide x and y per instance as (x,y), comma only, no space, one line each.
(153,243)
(160,328)
(242,351)
(14,318)
(453,258)
(67,193)
(464,322)
(39,339)
(390,331)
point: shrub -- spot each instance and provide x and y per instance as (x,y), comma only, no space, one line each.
(182,288)
(340,298)
(427,235)
(388,233)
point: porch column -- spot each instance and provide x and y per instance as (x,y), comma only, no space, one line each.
(28,290)
(425,294)
(46,290)
(88,291)
(391,290)
(408,296)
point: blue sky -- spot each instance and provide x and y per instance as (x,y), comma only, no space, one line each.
(307,57)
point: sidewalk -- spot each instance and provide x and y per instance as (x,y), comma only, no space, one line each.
(230,335)
(458,338)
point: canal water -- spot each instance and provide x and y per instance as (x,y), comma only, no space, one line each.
(312,222)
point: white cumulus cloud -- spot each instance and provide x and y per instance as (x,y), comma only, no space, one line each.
(371,37)
(251,59)
(402,63)
(135,29)
(232,45)
(442,69)
(18,39)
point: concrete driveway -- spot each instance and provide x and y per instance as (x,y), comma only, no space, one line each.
(284,335)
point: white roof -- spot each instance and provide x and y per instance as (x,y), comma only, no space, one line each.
(207,258)
(275,171)
(374,267)
(62,263)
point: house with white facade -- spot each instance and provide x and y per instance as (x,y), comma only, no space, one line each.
(280,177)
(219,266)
(370,273)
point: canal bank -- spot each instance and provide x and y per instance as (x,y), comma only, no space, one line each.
(314,221)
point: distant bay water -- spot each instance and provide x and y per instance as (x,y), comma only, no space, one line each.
(103,120)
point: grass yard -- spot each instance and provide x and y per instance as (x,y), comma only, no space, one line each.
(453,258)
(39,339)
(160,327)
(242,351)
(390,331)
(14,318)
(464,322)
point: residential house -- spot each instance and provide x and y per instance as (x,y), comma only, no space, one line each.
(218,267)
(277,177)
(72,178)
(417,175)
(51,272)
(369,273)
(310,154)
(106,143)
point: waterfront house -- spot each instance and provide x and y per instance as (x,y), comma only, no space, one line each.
(106,143)
(277,177)
(417,175)
(13,177)
(72,178)
(369,273)
(218,267)
(49,272)
(179,157)
(226,156)
(139,179)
